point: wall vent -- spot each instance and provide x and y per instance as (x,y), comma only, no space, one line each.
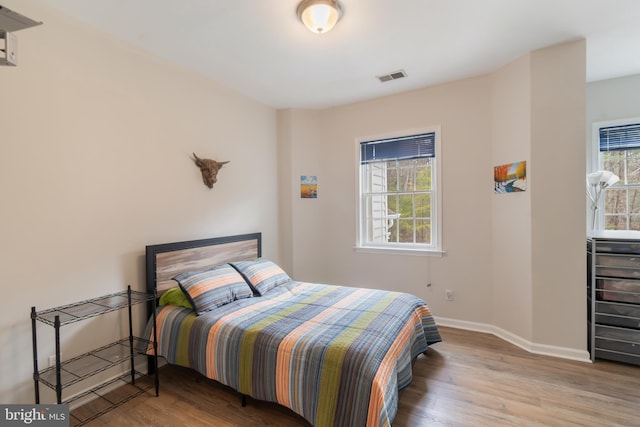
(392,76)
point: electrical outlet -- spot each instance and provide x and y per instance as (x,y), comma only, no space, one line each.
(449,294)
(52,360)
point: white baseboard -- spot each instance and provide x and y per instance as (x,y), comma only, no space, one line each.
(531,347)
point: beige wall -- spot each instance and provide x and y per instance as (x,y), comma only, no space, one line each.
(324,228)
(95,145)
(515,262)
(511,213)
(612,99)
(558,201)
(607,100)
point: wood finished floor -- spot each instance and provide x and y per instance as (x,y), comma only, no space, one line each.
(469,379)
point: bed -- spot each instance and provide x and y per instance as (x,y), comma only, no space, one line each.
(335,355)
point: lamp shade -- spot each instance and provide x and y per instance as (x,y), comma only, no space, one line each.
(603,179)
(611,179)
(319,16)
(594,177)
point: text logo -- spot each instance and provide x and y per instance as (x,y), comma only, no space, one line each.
(34,415)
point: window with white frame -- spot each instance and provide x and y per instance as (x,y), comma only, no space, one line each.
(399,194)
(619,152)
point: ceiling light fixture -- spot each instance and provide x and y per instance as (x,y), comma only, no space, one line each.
(319,16)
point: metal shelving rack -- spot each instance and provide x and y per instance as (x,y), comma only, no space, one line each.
(69,372)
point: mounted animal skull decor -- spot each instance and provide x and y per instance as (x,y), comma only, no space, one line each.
(209,169)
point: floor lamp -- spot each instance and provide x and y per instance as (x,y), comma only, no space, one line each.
(596,183)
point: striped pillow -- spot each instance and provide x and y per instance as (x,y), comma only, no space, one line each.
(209,289)
(262,274)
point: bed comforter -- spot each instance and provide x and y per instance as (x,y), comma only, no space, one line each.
(335,355)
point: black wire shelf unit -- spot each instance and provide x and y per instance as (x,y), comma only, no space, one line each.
(66,373)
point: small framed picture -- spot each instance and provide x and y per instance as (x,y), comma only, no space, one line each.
(510,178)
(308,187)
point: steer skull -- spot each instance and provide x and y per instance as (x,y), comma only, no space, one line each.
(209,169)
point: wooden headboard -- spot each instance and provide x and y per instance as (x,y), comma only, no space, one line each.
(166,260)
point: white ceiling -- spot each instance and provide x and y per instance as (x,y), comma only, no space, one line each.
(259,48)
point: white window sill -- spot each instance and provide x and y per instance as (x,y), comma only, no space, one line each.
(399,251)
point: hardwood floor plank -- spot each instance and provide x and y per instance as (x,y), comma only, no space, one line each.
(469,379)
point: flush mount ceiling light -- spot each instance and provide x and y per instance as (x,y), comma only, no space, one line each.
(319,16)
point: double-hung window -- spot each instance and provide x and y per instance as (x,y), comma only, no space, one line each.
(619,152)
(399,200)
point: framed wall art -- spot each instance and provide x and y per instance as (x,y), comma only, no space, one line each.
(308,187)
(510,178)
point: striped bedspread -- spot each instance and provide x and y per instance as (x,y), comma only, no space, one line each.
(335,355)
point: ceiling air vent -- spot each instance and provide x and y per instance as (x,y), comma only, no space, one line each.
(392,76)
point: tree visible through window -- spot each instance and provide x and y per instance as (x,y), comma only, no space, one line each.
(398,191)
(619,148)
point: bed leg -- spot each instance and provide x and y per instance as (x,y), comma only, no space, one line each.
(151,365)
(244,400)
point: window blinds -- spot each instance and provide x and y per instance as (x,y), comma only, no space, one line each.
(625,137)
(406,147)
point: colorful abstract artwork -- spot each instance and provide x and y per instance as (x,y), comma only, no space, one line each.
(510,178)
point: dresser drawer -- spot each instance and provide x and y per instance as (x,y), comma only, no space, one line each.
(620,334)
(616,260)
(618,290)
(614,271)
(615,265)
(624,315)
(619,346)
(631,247)
(618,357)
